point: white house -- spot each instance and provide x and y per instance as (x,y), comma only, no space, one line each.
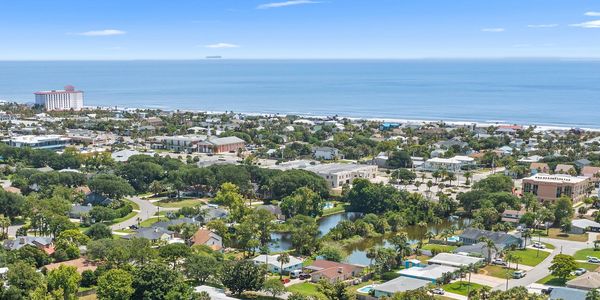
(326,153)
(454,164)
(274,266)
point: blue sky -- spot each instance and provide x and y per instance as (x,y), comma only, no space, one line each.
(189,29)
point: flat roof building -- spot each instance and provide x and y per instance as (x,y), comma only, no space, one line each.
(51,142)
(66,99)
(339,174)
(551,187)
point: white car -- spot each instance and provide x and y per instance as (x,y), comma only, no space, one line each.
(579,271)
(438,291)
(539,245)
(594,260)
(499,261)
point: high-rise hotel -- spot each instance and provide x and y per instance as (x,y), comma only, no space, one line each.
(66,99)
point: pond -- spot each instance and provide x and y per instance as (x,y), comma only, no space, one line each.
(358,252)
(282,241)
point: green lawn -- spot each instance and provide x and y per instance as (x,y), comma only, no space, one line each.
(441,248)
(555,281)
(530,257)
(179,204)
(337,208)
(461,288)
(584,253)
(305,288)
(496,271)
(149,222)
(555,233)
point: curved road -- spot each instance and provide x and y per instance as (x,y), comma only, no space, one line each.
(147,210)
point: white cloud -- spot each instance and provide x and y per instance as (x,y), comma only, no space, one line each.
(542,25)
(105,32)
(589,24)
(493,29)
(222,46)
(285,3)
(593,14)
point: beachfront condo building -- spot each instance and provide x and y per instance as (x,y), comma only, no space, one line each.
(66,99)
(549,187)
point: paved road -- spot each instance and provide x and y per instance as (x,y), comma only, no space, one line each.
(147,210)
(540,271)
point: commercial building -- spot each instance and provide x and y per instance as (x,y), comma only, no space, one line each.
(199,143)
(66,99)
(454,164)
(337,175)
(51,142)
(551,187)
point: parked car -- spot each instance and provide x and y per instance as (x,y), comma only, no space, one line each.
(499,261)
(539,245)
(547,291)
(518,274)
(579,271)
(295,273)
(304,276)
(438,291)
(285,280)
(594,260)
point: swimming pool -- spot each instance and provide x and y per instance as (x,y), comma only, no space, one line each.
(328,205)
(365,289)
(454,239)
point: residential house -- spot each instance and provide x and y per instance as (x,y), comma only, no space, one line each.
(332,271)
(513,216)
(207,238)
(174,222)
(581,226)
(587,281)
(154,234)
(582,163)
(432,273)
(44,243)
(213,292)
(564,169)
(78,211)
(327,153)
(213,213)
(538,167)
(275,266)
(275,210)
(398,285)
(593,173)
(502,240)
(454,260)
(562,293)
(478,249)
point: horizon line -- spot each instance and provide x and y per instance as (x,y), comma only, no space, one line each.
(323,58)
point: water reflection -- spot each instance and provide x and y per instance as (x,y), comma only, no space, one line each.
(357,251)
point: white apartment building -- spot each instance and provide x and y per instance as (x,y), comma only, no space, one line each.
(66,99)
(337,175)
(51,142)
(454,164)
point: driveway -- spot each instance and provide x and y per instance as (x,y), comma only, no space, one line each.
(540,271)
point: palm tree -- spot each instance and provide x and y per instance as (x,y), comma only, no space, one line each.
(490,245)
(468,175)
(509,257)
(525,235)
(517,259)
(429,235)
(593,295)
(372,254)
(283,258)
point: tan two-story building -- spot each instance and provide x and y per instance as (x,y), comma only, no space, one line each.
(549,187)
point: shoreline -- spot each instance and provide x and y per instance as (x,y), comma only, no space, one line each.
(538,126)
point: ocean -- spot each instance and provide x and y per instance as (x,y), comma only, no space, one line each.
(544,92)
